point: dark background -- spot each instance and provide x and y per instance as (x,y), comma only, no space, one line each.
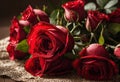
(10,8)
(13,7)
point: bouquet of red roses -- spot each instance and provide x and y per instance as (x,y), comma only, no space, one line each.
(80,35)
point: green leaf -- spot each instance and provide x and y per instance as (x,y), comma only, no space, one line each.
(56,16)
(110,4)
(27,29)
(109,10)
(63,1)
(19,17)
(90,6)
(101,38)
(44,8)
(53,16)
(102,3)
(22,46)
(69,55)
(114,28)
(113,8)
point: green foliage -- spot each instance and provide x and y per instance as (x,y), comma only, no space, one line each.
(27,29)
(102,3)
(56,17)
(72,56)
(107,5)
(109,10)
(110,4)
(114,28)
(23,46)
(53,16)
(19,17)
(90,6)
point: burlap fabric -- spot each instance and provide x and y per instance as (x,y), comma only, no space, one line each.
(15,70)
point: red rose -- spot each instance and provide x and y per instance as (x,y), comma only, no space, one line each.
(15,54)
(37,66)
(48,41)
(17,32)
(117,51)
(115,16)
(74,10)
(95,68)
(94,49)
(34,15)
(93,20)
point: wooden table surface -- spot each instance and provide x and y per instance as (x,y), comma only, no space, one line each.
(4,79)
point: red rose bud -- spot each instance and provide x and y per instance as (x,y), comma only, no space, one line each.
(95,68)
(117,51)
(94,18)
(94,50)
(17,32)
(74,10)
(48,41)
(115,16)
(29,15)
(42,15)
(34,15)
(15,54)
(70,15)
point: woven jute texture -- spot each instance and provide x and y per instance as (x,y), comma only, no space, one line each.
(15,70)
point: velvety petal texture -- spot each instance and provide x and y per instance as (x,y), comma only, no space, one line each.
(95,68)
(48,41)
(94,49)
(47,45)
(37,66)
